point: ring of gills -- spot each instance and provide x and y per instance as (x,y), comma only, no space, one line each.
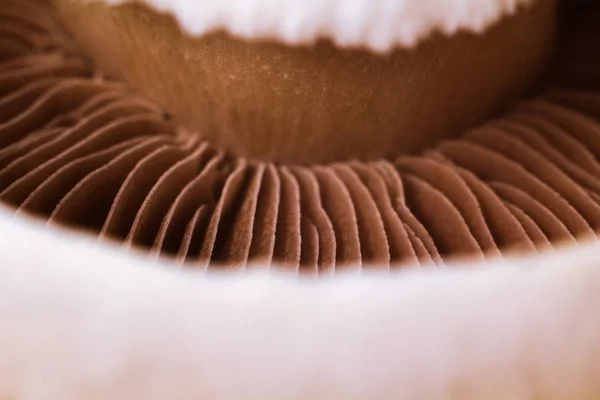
(83,151)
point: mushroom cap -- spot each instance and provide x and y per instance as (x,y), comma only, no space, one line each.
(128,324)
(127,327)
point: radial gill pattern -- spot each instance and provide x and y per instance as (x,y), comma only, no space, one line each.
(81,150)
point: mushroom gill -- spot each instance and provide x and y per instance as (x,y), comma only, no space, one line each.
(321,101)
(85,151)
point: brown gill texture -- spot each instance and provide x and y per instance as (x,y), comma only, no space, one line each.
(83,151)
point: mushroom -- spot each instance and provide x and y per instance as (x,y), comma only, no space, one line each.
(305,82)
(136,183)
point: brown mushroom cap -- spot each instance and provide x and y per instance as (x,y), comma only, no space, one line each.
(301,105)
